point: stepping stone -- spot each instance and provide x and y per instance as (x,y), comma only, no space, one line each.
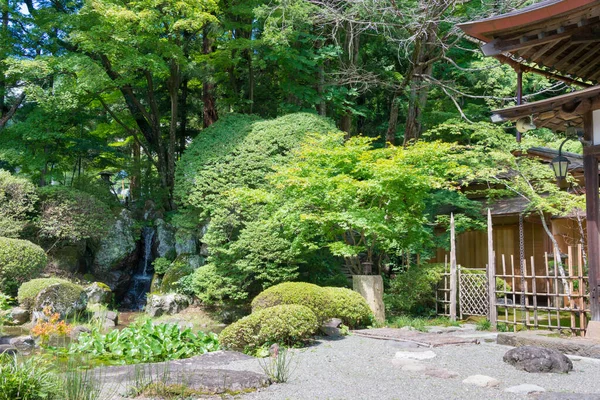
(415,367)
(481,381)
(401,362)
(441,373)
(525,388)
(565,396)
(415,355)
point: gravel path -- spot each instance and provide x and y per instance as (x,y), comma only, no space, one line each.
(361,368)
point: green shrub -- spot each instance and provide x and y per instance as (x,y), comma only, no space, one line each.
(17,200)
(413,291)
(284,324)
(247,251)
(29,290)
(27,379)
(67,214)
(146,342)
(161,265)
(349,306)
(316,298)
(20,260)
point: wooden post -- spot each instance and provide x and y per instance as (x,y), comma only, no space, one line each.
(453,279)
(590,168)
(491,272)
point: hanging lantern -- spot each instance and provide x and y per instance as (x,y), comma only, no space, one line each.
(560,165)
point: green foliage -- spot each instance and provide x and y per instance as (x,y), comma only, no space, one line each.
(17,200)
(178,270)
(279,366)
(20,260)
(413,291)
(145,343)
(27,379)
(500,283)
(349,306)
(317,299)
(248,251)
(30,289)
(287,324)
(483,324)
(161,265)
(67,214)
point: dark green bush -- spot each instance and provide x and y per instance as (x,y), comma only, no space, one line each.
(17,200)
(20,260)
(29,290)
(413,291)
(70,215)
(312,296)
(284,324)
(248,252)
(349,306)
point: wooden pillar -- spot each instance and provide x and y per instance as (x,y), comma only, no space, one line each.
(491,272)
(453,278)
(590,166)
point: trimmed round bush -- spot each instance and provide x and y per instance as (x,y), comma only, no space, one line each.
(284,324)
(29,290)
(349,306)
(300,293)
(20,260)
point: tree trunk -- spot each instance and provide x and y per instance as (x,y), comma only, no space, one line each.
(134,182)
(183,116)
(390,135)
(174,83)
(208,100)
(250,81)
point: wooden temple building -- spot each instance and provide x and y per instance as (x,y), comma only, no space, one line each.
(559,39)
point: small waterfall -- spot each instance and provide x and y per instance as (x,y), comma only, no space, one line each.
(142,278)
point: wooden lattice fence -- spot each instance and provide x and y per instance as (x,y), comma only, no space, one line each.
(544,300)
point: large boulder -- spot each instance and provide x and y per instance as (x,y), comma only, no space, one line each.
(116,246)
(63,298)
(68,257)
(20,315)
(186,243)
(165,239)
(98,293)
(172,303)
(538,359)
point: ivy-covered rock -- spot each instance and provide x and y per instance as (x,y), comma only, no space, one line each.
(30,289)
(98,293)
(316,298)
(63,298)
(20,260)
(349,306)
(116,246)
(284,324)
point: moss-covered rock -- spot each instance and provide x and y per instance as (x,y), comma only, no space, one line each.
(349,306)
(30,289)
(178,269)
(300,293)
(285,324)
(99,293)
(20,260)
(116,246)
(63,298)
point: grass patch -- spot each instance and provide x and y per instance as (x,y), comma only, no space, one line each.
(419,323)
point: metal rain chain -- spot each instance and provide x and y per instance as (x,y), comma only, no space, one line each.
(522,259)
